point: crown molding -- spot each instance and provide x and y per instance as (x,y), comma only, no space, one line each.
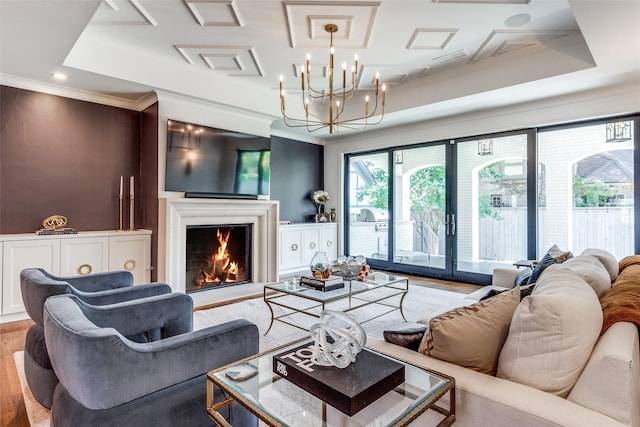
(81,95)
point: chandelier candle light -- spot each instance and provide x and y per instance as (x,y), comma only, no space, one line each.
(335,97)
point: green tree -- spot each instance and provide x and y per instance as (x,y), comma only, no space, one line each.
(376,191)
(427,190)
(591,192)
(493,176)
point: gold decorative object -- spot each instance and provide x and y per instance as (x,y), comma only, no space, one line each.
(120,200)
(131,205)
(54,222)
(332,98)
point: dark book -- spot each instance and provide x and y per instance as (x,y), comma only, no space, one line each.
(350,389)
(324,285)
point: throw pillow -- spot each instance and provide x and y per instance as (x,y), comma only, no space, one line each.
(607,259)
(553,256)
(559,255)
(472,336)
(552,334)
(592,271)
(545,262)
(408,337)
(523,277)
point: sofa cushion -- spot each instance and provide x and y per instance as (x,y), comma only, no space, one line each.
(472,336)
(552,333)
(610,379)
(592,271)
(606,258)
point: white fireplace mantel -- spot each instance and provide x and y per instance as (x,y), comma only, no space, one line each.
(178,213)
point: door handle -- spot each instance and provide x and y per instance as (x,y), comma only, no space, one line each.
(446,224)
(453,224)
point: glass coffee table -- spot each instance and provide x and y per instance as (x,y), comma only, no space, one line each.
(278,402)
(382,290)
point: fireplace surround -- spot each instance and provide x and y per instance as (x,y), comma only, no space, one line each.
(176,214)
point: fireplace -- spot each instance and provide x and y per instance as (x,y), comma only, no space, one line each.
(178,214)
(217,256)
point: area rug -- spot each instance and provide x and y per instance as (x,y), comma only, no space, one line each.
(420,302)
(38,415)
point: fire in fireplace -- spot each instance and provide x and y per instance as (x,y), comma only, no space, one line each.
(218,255)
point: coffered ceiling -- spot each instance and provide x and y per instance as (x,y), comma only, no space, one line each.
(438,57)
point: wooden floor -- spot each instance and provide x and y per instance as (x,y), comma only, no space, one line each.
(12,412)
(12,337)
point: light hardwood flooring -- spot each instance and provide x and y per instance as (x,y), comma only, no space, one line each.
(12,338)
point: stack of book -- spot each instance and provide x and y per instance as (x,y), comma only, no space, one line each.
(47,232)
(350,389)
(328,284)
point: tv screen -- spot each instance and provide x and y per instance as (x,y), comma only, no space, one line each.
(205,161)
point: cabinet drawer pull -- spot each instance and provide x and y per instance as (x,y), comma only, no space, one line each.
(294,247)
(85,269)
(130,265)
(312,245)
(329,243)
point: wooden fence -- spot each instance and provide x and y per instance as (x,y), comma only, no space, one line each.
(609,228)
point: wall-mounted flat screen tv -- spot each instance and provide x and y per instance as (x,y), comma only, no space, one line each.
(209,162)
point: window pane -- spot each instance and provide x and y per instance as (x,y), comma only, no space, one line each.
(419,206)
(491,206)
(586,200)
(368,205)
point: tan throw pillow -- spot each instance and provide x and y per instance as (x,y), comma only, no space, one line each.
(472,336)
(552,334)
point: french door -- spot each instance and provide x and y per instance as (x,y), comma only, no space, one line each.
(452,210)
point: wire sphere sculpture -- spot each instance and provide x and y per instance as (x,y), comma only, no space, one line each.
(338,339)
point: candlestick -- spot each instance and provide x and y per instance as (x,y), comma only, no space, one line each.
(120,213)
(131,205)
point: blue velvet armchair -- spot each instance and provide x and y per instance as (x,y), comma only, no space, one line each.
(98,289)
(107,379)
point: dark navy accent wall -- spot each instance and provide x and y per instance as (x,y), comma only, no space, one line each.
(297,170)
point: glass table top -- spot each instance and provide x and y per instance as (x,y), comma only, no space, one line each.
(284,404)
(351,287)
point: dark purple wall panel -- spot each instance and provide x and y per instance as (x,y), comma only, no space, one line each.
(63,156)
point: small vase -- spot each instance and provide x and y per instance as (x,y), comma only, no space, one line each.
(320,265)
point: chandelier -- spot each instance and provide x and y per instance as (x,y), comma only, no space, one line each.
(335,98)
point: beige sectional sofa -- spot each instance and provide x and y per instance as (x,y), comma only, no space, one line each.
(553,368)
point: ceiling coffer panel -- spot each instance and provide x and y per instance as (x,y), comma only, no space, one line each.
(235,61)
(500,42)
(307,19)
(123,12)
(431,38)
(484,1)
(215,13)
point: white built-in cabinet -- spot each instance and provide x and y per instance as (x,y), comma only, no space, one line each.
(70,255)
(298,243)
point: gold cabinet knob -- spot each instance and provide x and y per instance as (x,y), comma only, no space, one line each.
(85,269)
(129,265)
